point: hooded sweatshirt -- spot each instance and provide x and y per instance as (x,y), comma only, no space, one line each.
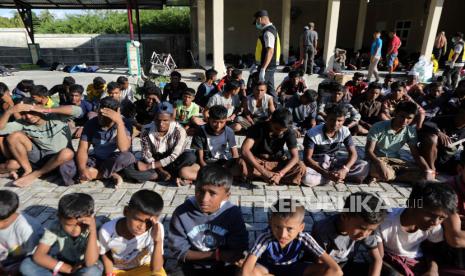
(191,229)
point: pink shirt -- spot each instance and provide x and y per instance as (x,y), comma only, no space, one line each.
(394,45)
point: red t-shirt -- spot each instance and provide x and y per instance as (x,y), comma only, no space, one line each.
(394,45)
(459,187)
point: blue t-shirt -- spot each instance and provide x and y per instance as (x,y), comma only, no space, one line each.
(268,250)
(378,43)
(103,141)
(86,108)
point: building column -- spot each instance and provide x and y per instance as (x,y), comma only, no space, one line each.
(218,37)
(332,19)
(432,23)
(201,33)
(286,29)
(362,13)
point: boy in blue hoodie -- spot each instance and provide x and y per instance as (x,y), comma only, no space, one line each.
(207,231)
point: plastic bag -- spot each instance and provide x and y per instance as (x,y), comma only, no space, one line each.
(424,69)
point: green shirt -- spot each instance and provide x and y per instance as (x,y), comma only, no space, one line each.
(184,113)
(54,135)
(63,246)
(388,142)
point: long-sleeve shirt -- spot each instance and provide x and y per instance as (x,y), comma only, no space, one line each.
(164,149)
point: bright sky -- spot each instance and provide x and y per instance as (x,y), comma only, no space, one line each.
(56,13)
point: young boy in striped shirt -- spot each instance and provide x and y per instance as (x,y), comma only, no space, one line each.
(285,249)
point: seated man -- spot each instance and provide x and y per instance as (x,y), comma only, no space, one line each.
(109,134)
(435,101)
(75,96)
(207,88)
(127,108)
(63,89)
(398,94)
(440,140)
(173,90)
(96,89)
(228,99)
(6,101)
(163,143)
(384,142)
(40,95)
(145,108)
(293,84)
(187,113)
(356,86)
(303,109)
(257,107)
(338,95)
(126,90)
(386,86)
(39,142)
(322,144)
(233,75)
(369,108)
(263,154)
(22,90)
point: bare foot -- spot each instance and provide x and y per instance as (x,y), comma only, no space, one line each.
(182,182)
(13,175)
(26,180)
(118,180)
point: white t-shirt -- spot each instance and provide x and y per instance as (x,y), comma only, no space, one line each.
(20,238)
(218,99)
(127,254)
(399,242)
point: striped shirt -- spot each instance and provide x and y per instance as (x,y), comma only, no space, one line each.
(317,140)
(267,249)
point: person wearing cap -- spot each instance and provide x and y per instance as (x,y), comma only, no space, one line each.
(267,50)
(308,46)
(163,143)
(109,134)
(186,112)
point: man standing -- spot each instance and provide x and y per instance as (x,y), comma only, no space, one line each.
(455,61)
(308,44)
(267,51)
(375,56)
(393,50)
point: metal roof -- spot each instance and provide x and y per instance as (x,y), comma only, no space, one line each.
(80,4)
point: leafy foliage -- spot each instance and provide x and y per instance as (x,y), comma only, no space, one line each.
(168,20)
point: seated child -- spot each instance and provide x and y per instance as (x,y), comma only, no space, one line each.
(126,90)
(386,86)
(75,98)
(19,234)
(22,90)
(207,231)
(322,145)
(263,154)
(236,75)
(405,229)
(127,108)
(207,88)
(215,142)
(228,99)
(356,86)
(69,245)
(40,95)
(187,113)
(133,245)
(226,78)
(145,108)
(285,249)
(435,101)
(341,234)
(95,90)
(292,85)
(384,143)
(6,101)
(369,108)
(174,90)
(257,107)
(304,110)
(63,90)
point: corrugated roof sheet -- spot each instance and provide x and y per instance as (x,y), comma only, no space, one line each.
(82,4)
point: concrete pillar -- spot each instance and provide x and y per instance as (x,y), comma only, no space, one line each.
(218,37)
(332,19)
(201,35)
(432,23)
(362,13)
(285,29)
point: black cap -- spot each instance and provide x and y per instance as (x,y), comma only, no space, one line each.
(258,14)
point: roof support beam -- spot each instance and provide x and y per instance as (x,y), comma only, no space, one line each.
(25,12)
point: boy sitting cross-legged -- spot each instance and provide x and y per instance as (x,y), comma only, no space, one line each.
(19,234)
(207,232)
(285,249)
(69,245)
(342,234)
(133,245)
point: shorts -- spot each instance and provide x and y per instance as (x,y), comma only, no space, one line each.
(297,268)
(38,157)
(392,58)
(399,170)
